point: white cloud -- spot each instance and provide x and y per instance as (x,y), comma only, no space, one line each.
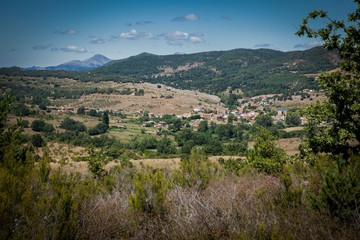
(179,38)
(148,36)
(96,40)
(196,40)
(309,44)
(189,17)
(67,32)
(192,17)
(134,35)
(74,49)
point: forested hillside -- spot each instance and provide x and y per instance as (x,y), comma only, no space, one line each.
(254,72)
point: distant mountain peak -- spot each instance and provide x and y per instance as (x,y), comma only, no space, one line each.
(77,65)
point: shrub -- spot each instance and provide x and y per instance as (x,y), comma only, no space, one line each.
(37,140)
(38,125)
(266,156)
(72,125)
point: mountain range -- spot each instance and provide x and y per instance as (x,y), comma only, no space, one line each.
(248,71)
(78,65)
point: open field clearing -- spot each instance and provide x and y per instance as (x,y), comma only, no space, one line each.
(290,145)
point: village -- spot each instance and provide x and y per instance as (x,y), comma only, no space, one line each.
(246,111)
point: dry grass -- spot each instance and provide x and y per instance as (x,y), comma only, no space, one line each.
(154,99)
(242,207)
(290,145)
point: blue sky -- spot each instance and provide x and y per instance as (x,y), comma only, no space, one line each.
(51,32)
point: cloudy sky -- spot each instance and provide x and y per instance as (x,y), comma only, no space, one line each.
(51,32)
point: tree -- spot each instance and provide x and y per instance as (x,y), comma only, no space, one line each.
(165,147)
(38,125)
(48,128)
(105,118)
(334,124)
(93,113)
(292,119)
(266,156)
(81,110)
(203,126)
(231,118)
(37,140)
(72,125)
(341,110)
(264,120)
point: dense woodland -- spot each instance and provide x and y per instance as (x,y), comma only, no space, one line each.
(263,194)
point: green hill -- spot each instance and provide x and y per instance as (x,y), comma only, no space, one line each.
(253,71)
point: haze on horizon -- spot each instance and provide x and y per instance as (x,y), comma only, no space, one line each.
(48,33)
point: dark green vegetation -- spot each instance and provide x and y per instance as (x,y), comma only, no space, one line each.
(255,72)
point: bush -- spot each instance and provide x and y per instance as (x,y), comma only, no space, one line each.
(338,192)
(72,125)
(266,156)
(38,125)
(37,140)
(150,192)
(48,128)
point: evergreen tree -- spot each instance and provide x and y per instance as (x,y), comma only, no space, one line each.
(105,118)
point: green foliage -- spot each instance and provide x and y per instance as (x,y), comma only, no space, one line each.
(37,140)
(95,164)
(213,147)
(341,110)
(98,129)
(150,192)
(105,118)
(196,170)
(187,147)
(264,120)
(292,119)
(33,203)
(203,126)
(81,110)
(93,113)
(38,125)
(48,128)
(288,195)
(139,92)
(165,146)
(266,156)
(254,71)
(233,165)
(339,190)
(235,148)
(22,110)
(72,125)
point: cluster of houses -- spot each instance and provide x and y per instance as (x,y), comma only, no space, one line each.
(246,113)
